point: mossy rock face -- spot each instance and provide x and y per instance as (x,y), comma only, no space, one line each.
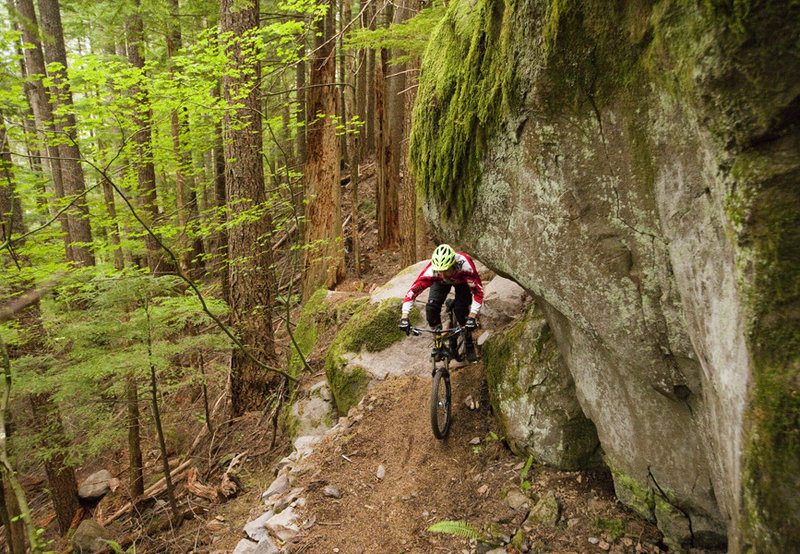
(533,396)
(636,165)
(316,312)
(373,327)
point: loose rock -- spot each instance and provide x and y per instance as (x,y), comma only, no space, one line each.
(546,512)
(256,529)
(285,525)
(96,485)
(331,492)
(381,473)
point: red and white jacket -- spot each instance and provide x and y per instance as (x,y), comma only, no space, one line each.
(465,273)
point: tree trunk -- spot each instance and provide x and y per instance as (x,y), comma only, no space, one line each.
(42,111)
(111,208)
(34,149)
(62,484)
(408,195)
(369,119)
(186,198)
(300,137)
(71,168)
(249,253)
(10,518)
(324,257)
(142,138)
(135,472)
(220,196)
(386,185)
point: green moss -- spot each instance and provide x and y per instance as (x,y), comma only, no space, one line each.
(465,88)
(631,492)
(614,527)
(372,327)
(764,208)
(308,328)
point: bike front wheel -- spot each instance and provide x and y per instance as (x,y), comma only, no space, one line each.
(440,403)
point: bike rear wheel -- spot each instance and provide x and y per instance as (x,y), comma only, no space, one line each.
(440,403)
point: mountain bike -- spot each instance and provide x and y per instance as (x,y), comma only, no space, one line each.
(448,344)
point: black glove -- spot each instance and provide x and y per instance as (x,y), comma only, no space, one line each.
(471,323)
(405,325)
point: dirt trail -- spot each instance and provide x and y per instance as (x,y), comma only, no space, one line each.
(427,480)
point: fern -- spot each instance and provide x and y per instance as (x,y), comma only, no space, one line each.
(459,528)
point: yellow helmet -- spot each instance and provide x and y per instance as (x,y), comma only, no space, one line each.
(443,257)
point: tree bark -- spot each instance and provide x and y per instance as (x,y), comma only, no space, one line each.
(135,469)
(10,518)
(186,199)
(142,138)
(71,168)
(324,256)
(387,190)
(249,253)
(62,484)
(220,196)
(111,208)
(369,115)
(42,111)
(408,195)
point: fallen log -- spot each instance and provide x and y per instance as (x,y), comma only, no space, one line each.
(152,491)
(194,486)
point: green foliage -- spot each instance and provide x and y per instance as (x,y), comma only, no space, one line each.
(408,39)
(458,528)
(524,484)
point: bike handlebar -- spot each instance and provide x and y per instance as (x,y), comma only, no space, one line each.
(451,332)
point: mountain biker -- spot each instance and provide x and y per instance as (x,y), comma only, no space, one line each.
(447,269)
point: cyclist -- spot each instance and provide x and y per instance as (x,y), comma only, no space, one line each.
(447,269)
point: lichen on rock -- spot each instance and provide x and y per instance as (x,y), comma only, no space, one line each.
(533,396)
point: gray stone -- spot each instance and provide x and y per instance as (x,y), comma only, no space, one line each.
(256,529)
(245,546)
(96,485)
(331,492)
(381,473)
(534,396)
(286,499)
(314,414)
(266,546)
(279,486)
(285,525)
(90,536)
(547,511)
(304,445)
(517,500)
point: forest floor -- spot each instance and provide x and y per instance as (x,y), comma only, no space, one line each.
(468,477)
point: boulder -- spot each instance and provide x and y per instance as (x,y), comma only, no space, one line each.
(547,511)
(646,195)
(90,536)
(96,485)
(533,396)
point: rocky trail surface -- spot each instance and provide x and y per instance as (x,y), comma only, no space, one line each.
(378,479)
